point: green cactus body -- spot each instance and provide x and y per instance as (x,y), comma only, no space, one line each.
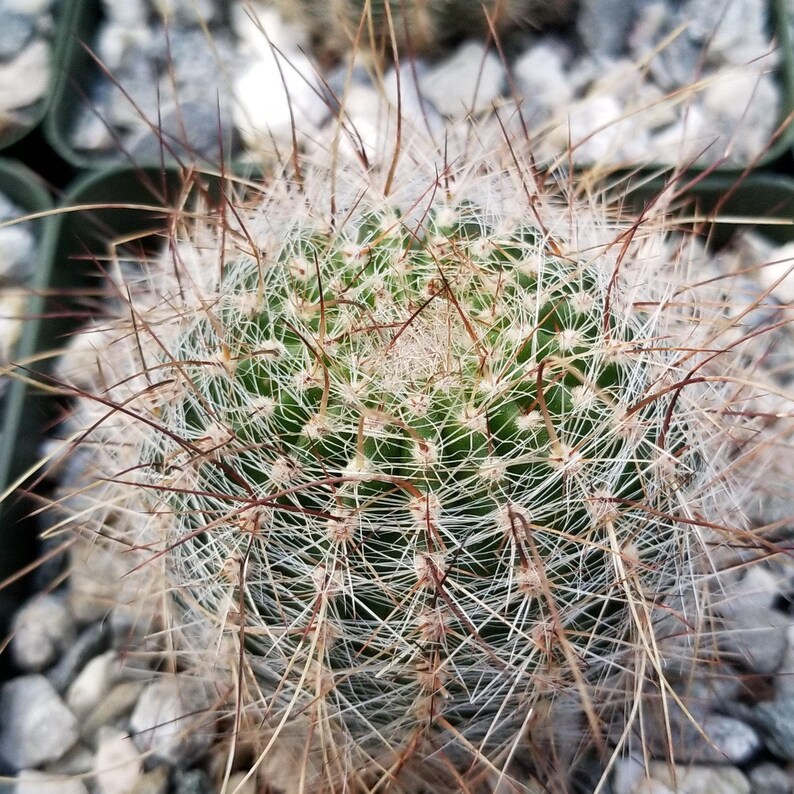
(421,454)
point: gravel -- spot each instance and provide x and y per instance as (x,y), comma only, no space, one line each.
(610,84)
(35,724)
(25,59)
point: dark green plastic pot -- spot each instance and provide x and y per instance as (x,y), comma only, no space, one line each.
(27,191)
(79,70)
(69,287)
(725,204)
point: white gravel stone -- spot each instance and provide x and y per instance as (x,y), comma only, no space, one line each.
(260,29)
(35,724)
(778,274)
(369,115)
(92,684)
(90,130)
(42,629)
(470,80)
(129,13)
(401,85)
(275,93)
(755,639)
(17,252)
(735,32)
(280,87)
(735,740)
(32,7)
(30,781)
(601,132)
(77,761)
(719,47)
(114,707)
(116,39)
(756,590)
(626,775)
(700,779)
(104,584)
(173,718)
(540,79)
(12,307)
(753,634)
(685,140)
(604,24)
(25,79)
(775,720)
(769,778)
(118,766)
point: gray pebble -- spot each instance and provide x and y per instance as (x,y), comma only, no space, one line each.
(25,78)
(603,25)
(35,724)
(192,781)
(77,761)
(8,209)
(113,709)
(541,79)
(42,629)
(127,13)
(18,256)
(734,32)
(754,639)
(626,774)
(769,778)
(92,641)
(173,719)
(92,683)
(195,63)
(775,721)
(135,101)
(89,130)
(117,45)
(699,779)
(189,130)
(678,63)
(468,81)
(734,740)
(16,30)
(30,781)
(118,767)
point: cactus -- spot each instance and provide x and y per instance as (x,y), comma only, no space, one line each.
(416,26)
(417,459)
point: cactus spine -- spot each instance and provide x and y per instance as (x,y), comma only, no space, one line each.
(417,459)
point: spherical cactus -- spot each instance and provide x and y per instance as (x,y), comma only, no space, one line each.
(415,26)
(418,458)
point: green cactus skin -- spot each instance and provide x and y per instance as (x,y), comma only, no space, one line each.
(417,462)
(417,26)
